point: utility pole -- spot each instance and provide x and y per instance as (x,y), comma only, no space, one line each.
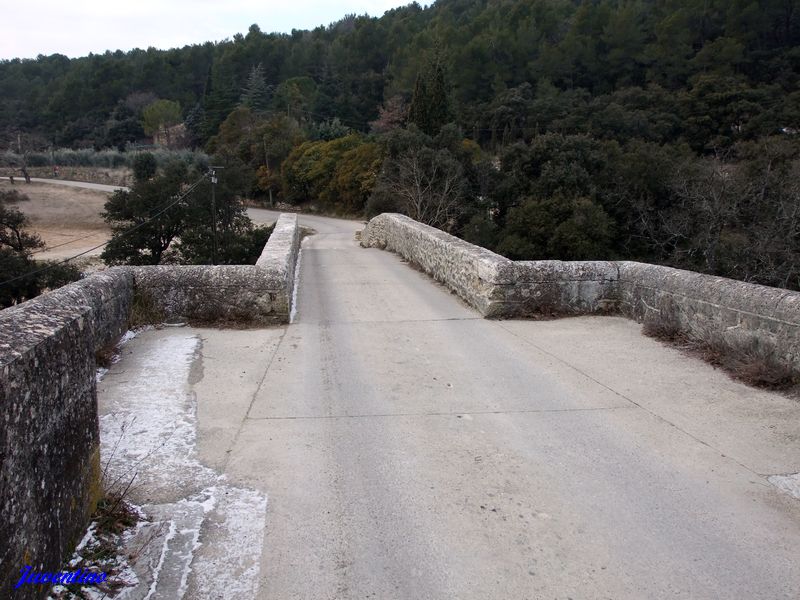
(213,173)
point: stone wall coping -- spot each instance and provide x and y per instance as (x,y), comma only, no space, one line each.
(489,265)
(280,247)
(750,298)
(26,325)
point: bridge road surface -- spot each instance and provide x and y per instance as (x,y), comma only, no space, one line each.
(412,450)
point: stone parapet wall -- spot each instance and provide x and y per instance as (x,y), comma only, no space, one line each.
(280,255)
(49,444)
(714,309)
(722,312)
(556,288)
(240,294)
(474,273)
(245,295)
(492,284)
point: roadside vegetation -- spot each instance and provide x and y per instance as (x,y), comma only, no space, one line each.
(168,217)
(666,132)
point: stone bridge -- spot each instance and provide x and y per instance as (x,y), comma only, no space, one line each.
(425,427)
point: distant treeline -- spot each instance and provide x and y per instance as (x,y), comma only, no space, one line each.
(107,158)
(658,130)
(705,71)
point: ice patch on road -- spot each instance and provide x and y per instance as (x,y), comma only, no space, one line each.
(127,337)
(151,432)
(787,483)
(212,536)
(231,574)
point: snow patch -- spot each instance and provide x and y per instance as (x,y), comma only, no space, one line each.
(90,555)
(232,574)
(100,374)
(162,558)
(127,337)
(787,483)
(151,436)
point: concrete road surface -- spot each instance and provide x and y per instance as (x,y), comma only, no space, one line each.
(411,450)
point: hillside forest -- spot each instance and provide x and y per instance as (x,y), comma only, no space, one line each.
(664,131)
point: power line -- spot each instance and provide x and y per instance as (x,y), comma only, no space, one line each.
(72,241)
(123,234)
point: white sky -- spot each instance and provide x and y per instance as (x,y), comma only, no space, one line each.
(77,27)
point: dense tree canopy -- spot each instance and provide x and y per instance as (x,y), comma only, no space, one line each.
(708,71)
(168,217)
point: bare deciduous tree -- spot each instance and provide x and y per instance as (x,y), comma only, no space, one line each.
(737,217)
(427,184)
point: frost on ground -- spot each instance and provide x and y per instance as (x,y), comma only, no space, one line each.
(198,535)
(787,483)
(129,335)
(151,429)
(98,552)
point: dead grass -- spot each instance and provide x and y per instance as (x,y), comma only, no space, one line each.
(104,357)
(114,514)
(144,311)
(754,364)
(113,517)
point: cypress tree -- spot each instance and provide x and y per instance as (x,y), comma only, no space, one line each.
(430,104)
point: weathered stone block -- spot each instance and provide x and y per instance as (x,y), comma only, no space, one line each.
(471,271)
(714,309)
(224,294)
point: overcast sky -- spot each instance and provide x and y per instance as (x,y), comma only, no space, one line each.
(77,27)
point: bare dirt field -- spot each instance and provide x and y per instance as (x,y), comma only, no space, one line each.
(68,219)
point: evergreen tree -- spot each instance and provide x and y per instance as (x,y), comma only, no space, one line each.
(22,276)
(220,98)
(256,94)
(195,120)
(418,111)
(430,106)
